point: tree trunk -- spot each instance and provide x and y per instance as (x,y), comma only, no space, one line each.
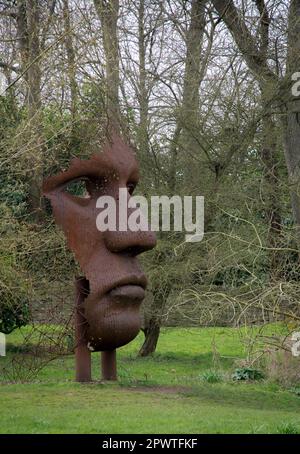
(270,160)
(28,27)
(71,60)
(257,60)
(108,12)
(291,121)
(151,332)
(174,155)
(188,113)
(71,64)
(143,93)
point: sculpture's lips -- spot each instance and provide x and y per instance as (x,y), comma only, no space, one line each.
(131,286)
(129,292)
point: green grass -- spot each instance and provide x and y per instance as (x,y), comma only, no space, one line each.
(165,393)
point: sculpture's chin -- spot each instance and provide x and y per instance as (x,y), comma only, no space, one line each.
(111,323)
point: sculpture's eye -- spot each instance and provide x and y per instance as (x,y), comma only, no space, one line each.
(131,187)
(78,188)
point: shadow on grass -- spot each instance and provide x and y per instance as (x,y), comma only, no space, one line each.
(245,395)
(258,395)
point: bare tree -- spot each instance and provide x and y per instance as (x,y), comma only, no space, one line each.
(274,96)
(186,122)
(108,12)
(291,122)
(28,26)
(188,113)
(71,59)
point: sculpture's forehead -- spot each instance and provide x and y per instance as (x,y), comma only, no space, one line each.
(116,156)
(117,159)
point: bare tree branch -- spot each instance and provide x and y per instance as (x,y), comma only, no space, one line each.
(10,67)
(244,39)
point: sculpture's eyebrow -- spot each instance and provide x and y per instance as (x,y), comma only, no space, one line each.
(99,166)
(78,169)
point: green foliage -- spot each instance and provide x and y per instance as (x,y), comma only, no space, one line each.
(247,373)
(14,300)
(14,315)
(231,277)
(295,390)
(10,115)
(212,376)
(77,188)
(13,195)
(13,188)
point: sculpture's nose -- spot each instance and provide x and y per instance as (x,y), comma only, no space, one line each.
(132,241)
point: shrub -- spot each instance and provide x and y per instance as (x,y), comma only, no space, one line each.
(247,373)
(295,390)
(14,298)
(13,316)
(283,368)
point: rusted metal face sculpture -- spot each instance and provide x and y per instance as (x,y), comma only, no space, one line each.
(108,259)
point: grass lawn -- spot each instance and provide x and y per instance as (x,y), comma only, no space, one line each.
(161,394)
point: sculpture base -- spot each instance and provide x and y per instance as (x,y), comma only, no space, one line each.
(83,372)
